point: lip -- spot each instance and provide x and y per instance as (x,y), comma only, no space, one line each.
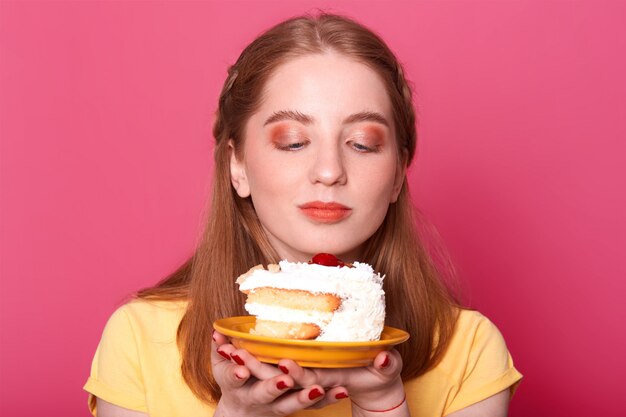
(325,212)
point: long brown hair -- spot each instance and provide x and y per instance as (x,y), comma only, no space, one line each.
(233,240)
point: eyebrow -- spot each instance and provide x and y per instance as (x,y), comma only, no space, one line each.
(288,115)
(364,116)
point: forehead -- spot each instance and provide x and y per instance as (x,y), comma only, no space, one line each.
(328,85)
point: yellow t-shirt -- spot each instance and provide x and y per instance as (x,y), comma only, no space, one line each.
(137,366)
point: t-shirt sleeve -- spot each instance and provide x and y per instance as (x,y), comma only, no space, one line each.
(116,375)
(489,369)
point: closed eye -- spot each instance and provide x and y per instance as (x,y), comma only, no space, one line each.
(290,146)
(359,147)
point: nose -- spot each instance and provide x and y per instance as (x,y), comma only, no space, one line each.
(328,167)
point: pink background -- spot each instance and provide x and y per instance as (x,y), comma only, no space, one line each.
(106,110)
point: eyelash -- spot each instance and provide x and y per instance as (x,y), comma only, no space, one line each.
(365,149)
(291,147)
(296,146)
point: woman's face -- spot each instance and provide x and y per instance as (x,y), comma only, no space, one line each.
(320,158)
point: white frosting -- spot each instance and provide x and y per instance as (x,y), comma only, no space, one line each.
(361,315)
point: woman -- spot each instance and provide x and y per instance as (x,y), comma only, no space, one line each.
(314,111)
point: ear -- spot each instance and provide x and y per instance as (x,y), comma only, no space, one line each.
(400,175)
(238,177)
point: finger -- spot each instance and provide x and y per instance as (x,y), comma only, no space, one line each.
(258,369)
(219,338)
(305,377)
(268,390)
(237,376)
(332,396)
(302,376)
(305,398)
(221,353)
(387,364)
(227,373)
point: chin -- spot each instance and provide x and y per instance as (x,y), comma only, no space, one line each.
(344,252)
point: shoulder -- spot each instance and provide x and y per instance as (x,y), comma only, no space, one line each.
(156,320)
(474,335)
(478,361)
(476,364)
(472,323)
(472,318)
(472,327)
(139,335)
(139,308)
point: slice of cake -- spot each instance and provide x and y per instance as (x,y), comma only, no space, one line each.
(324,300)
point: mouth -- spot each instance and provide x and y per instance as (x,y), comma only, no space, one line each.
(322,212)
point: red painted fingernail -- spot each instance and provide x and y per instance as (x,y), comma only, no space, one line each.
(224,354)
(284,369)
(341,395)
(315,393)
(385,362)
(281,385)
(237,359)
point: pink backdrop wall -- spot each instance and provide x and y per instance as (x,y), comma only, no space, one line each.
(106,110)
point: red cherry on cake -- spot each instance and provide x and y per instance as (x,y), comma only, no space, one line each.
(327,259)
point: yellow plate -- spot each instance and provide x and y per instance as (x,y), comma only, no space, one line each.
(307,353)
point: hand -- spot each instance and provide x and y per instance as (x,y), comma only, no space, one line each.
(252,388)
(375,387)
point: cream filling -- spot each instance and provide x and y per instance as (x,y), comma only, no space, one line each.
(283,314)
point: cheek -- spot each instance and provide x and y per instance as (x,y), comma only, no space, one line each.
(269,178)
(380,181)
